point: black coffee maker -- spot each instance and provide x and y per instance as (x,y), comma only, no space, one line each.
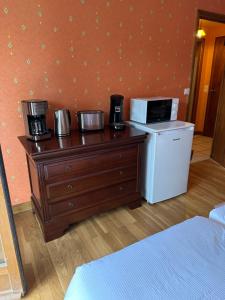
(116,112)
(34,115)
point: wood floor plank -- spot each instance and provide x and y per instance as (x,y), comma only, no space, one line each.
(50,266)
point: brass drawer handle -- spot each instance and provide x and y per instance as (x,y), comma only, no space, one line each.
(121,172)
(70,204)
(68,168)
(69,187)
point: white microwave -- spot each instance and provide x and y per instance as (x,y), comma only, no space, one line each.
(153,110)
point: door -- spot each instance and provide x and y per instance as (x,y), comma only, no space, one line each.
(12,280)
(218,147)
(197,71)
(218,65)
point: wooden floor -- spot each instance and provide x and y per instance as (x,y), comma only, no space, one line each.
(202,147)
(49,267)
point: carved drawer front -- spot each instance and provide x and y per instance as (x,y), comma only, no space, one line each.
(85,184)
(94,198)
(91,164)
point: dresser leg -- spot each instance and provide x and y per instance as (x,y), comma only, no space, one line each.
(52,230)
(53,235)
(135,204)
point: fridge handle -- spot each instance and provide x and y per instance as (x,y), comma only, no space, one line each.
(173,130)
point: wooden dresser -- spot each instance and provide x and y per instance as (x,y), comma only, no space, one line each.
(75,177)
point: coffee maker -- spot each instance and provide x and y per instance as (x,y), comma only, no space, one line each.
(116,112)
(34,115)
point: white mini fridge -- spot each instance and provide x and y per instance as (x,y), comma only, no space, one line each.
(165,157)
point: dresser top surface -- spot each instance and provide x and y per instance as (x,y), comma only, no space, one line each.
(79,140)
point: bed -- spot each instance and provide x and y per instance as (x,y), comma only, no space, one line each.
(185,261)
(218,213)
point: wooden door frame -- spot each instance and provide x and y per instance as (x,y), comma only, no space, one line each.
(219,156)
(206,15)
(206,130)
(197,72)
(13,269)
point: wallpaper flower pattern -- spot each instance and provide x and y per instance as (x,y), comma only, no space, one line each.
(76,53)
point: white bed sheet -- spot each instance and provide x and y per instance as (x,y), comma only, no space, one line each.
(218,214)
(185,261)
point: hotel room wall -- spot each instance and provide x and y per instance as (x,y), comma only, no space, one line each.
(212,31)
(76,54)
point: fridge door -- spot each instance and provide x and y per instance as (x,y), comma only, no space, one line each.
(171,164)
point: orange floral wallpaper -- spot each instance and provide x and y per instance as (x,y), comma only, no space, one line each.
(76,53)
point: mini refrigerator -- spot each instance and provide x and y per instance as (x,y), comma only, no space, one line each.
(165,156)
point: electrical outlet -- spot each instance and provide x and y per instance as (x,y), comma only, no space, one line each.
(186,91)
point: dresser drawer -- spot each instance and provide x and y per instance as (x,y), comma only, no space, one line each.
(85,184)
(93,198)
(91,164)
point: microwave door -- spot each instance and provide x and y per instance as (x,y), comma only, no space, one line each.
(158,111)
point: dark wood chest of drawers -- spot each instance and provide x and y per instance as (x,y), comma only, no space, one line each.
(75,177)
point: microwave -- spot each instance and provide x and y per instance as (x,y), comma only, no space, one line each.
(153,110)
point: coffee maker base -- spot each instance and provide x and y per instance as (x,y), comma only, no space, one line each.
(118,126)
(36,138)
